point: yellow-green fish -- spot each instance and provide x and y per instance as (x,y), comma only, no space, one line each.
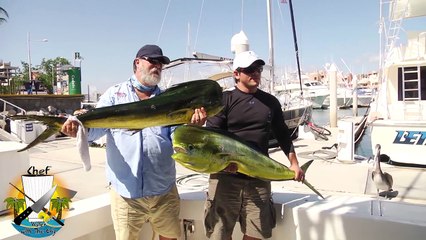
(208,150)
(172,107)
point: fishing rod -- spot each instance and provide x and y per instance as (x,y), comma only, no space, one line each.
(296,48)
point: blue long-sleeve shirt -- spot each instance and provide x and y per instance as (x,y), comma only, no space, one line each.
(138,164)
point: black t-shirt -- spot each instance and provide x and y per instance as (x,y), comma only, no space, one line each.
(252,117)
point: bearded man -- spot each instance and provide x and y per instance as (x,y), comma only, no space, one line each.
(139,167)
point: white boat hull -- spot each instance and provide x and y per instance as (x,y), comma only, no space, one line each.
(342,102)
(299,217)
(312,90)
(403,141)
(364,101)
(294,114)
(293,117)
(318,101)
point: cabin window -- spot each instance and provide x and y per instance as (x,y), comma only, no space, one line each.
(423,82)
(412,83)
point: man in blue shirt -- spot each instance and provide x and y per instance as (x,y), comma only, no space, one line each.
(139,166)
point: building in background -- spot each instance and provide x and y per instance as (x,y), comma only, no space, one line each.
(7,71)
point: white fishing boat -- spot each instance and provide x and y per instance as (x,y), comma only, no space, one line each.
(350,86)
(344,97)
(315,91)
(398,116)
(367,88)
(365,96)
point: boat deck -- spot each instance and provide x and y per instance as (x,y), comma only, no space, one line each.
(343,183)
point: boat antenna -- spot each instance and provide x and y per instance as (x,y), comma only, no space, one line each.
(242,14)
(271,46)
(199,23)
(296,48)
(162,23)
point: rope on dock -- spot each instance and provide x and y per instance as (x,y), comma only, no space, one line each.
(318,154)
(196,181)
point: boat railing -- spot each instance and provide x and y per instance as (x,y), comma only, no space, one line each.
(394,26)
(6,103)
(88,105)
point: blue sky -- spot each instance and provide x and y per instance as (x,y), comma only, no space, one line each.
(108,33)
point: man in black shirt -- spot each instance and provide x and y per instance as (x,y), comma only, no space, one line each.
(251,114)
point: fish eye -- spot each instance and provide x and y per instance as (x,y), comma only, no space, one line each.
(191,147)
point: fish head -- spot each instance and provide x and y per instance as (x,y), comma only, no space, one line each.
(206,93)
(197,150)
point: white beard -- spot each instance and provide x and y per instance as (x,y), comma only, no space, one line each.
(150,79)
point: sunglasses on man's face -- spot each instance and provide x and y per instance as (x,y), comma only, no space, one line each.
(153,61)
(251,69)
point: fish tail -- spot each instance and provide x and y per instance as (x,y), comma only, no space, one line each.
(54,125)
(305,167)
(312,188)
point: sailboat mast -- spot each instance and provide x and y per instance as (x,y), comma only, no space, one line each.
(381,28)
(296,48)
(187,70)
(271,44)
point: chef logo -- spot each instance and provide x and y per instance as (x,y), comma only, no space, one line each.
(37,203)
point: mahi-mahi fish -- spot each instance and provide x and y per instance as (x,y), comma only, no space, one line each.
(207,150)
(174,106)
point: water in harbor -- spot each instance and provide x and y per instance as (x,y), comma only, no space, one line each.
(322,117)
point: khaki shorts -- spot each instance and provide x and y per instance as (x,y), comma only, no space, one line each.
(246,200)
(162,212)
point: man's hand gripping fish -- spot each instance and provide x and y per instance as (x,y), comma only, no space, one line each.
(207,150)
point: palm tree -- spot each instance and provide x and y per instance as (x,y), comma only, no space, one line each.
(59,204)
(14,203)
(2,11)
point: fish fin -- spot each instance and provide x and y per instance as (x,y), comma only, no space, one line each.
(180,112)
(47,133)
(234,158)
(224,155)
(54,125)
(305,166)
(312,188)
(19,117)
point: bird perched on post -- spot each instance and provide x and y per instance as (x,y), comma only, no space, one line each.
(382,180)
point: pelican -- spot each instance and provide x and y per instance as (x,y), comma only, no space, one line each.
(382,179)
